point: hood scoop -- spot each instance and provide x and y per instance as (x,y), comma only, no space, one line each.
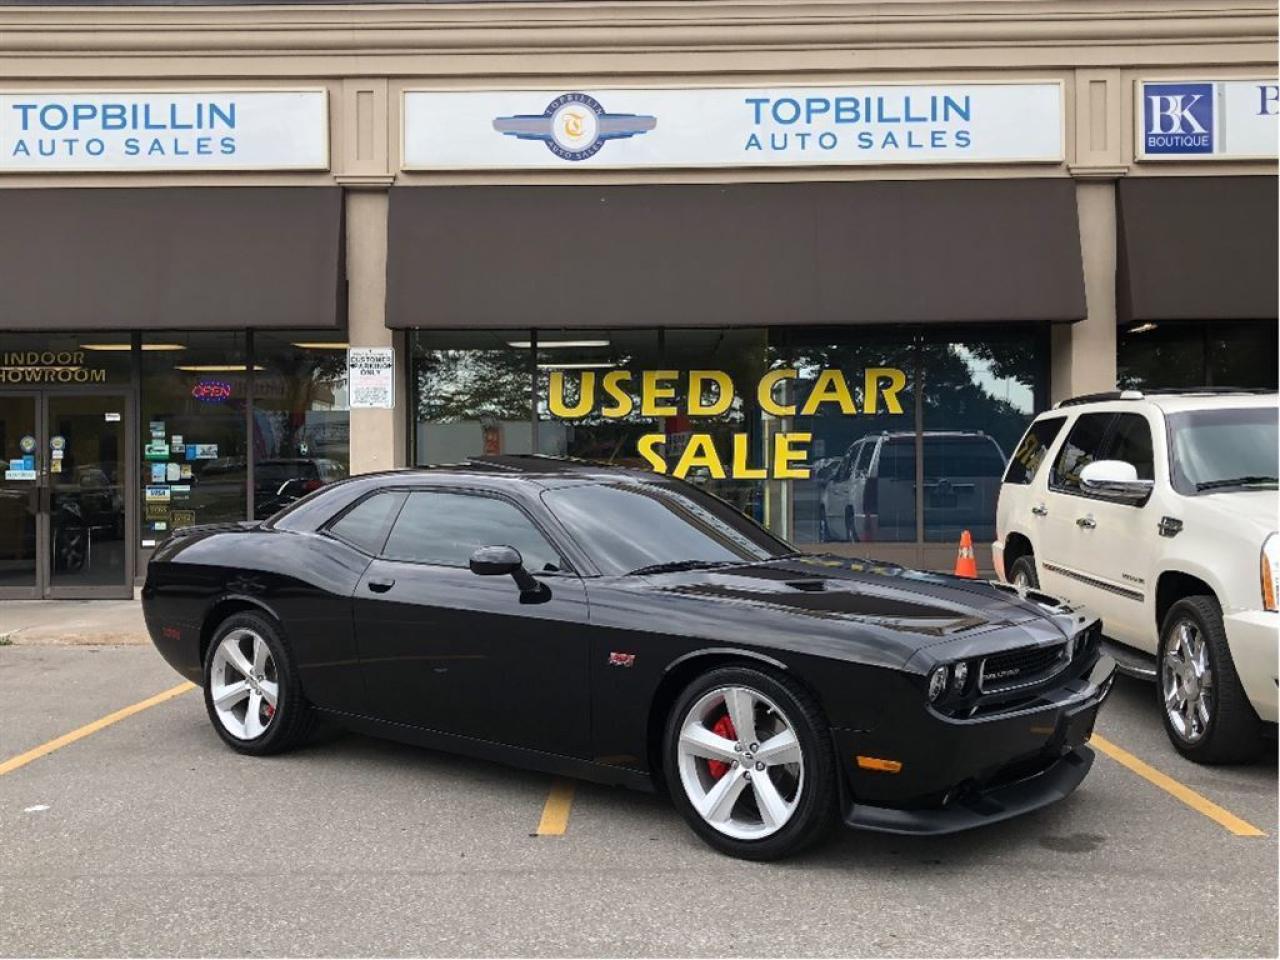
(807,586)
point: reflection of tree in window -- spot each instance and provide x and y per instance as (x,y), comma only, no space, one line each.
(457,385)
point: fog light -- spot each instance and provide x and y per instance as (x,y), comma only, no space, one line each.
(960,673)
(937,682)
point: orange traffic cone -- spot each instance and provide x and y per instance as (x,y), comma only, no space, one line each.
(966,566)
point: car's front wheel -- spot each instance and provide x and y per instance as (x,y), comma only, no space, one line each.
(251,688)
(1206,712)
(749,763)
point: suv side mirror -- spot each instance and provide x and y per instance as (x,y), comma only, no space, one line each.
(503,560)
(1115,480)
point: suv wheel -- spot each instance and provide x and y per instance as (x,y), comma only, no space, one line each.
(749,763)
(1023,573)
(1206,713)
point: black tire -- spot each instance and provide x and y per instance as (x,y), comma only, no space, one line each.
(293,720)
(1026,566)
(1234,732)
(824,528)
(816,807)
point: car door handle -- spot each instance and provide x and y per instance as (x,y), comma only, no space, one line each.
(1040,511)
(381,584)
(1087,522)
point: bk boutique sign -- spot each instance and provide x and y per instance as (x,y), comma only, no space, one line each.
(1208,120)
(727,126)
(155,130)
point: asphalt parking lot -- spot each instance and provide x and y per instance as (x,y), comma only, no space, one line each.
(149,837)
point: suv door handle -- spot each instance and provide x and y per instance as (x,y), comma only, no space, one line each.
(1040,510)
(1087,522)
(381,584)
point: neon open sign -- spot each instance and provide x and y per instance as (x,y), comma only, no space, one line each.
(212,391)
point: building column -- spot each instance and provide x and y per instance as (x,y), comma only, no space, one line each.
(377,436)
(1084,353)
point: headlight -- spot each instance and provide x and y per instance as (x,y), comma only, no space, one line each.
(1271,573)
(959,674)
(937,682)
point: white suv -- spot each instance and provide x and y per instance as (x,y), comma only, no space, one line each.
(1160,512)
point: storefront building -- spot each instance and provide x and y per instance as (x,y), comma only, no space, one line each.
(825,259)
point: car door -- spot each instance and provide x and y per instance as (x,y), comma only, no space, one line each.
(446,649)
(1068,558)
(835,497)
(1118,544)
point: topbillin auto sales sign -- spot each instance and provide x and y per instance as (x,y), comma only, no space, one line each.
(154,130)
(734,126)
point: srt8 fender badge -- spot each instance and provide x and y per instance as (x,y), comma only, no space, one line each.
(617,659)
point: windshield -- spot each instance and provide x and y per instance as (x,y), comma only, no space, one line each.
(626,527)
(1225,449)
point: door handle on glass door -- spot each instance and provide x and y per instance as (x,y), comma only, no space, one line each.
(1040,510)
(1087,522)
(381,584)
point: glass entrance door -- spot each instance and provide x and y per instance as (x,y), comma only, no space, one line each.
(19,497)
(64,505)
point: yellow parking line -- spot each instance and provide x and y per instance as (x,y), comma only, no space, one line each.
(1241,828)
(22,759)
(555,813)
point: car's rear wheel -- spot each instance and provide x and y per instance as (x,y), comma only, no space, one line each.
(251,688)
(1023,573)
(749,763)
(1206,712)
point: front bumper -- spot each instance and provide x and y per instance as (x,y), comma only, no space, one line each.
(1254,638)
(958,773)
(997,560)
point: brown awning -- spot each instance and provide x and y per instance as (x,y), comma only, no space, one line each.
(186,257)
(1197,248)
(740,254)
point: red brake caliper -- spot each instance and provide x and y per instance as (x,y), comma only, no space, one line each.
(723,728)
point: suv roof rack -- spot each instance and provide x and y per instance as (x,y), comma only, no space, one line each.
(1159,392)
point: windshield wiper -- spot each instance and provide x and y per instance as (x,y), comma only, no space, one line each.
(674,566)
(1233,482)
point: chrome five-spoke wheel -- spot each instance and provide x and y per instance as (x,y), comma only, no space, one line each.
(244,686)
(1187,681)
(740,763)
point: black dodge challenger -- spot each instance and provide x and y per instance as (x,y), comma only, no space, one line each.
(628,628)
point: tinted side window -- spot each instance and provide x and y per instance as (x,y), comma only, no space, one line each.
(1082,446)
(446,528)
(365,525)
(962,457)
(1031,451)
(864,457)
(1131,442)
(897,459)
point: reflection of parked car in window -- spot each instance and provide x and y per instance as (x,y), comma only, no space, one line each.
(1159,512)
(278,483)
(871,496)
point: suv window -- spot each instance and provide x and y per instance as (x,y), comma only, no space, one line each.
(1031,451)
(846,463)
(962,457)
(897,459)
(864,457)
(446,528)
(1131,442)
(1081,448)
(365,525)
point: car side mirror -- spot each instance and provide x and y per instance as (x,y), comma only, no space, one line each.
(1115,480)
(498,561)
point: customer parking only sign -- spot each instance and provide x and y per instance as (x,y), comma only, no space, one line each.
(734,126)
(1208,119)
(88,131)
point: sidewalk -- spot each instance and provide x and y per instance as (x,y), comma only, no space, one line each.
(72,622)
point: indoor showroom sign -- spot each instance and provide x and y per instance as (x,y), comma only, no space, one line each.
(104,130)
(1208,119)
(734,126)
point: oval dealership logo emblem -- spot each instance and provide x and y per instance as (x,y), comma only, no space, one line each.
(574,126)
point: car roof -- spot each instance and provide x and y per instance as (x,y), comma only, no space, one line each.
(1173,401)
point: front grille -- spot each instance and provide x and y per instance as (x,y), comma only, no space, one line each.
(1017,668)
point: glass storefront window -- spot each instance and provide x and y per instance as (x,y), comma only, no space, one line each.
(472,394)
(979,394)
(301,416)
(812,431)
(855,394)
(192,438)
(1217,353)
